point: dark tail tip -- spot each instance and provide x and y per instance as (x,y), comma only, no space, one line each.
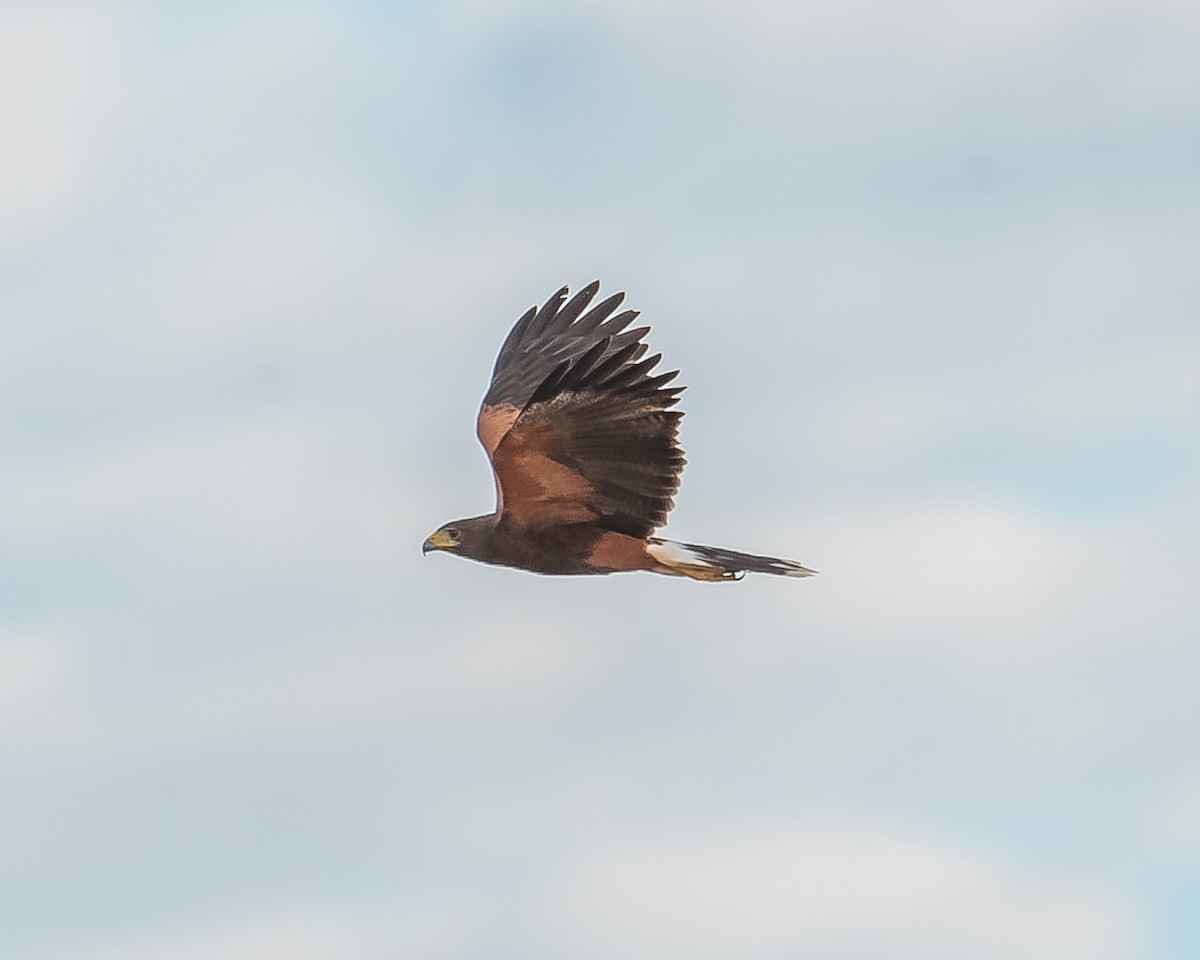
(694,560)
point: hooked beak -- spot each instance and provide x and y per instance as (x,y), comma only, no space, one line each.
(437,541)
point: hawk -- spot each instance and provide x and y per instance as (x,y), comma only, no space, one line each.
(584,452)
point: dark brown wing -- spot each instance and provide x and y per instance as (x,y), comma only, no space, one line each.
(542,340)
(577,427)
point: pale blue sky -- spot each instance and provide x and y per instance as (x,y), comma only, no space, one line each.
(929,272)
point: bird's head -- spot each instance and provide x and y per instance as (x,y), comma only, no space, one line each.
(464,537)
(448,538)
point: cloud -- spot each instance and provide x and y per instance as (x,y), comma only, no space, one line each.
(36,663)
(933,570)
(1169,831)
(838,888)
(58,64)
(321,934)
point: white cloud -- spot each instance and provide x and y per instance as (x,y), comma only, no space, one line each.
(36,664)
(838,888)
(424,676)
(326,933)
(61,82)
(1171,824)
(923,572)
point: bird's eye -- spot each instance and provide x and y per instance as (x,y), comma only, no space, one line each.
(452,532)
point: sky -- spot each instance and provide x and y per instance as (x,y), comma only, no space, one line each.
(929,270)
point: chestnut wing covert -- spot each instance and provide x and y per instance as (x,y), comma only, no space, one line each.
(577,427)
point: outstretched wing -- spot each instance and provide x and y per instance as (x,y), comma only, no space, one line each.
(542,340)
(577,427)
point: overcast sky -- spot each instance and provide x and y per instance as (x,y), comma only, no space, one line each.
(930,271)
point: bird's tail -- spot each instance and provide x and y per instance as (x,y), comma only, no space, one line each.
(713,563)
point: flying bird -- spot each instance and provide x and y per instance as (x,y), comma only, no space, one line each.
(584,451)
